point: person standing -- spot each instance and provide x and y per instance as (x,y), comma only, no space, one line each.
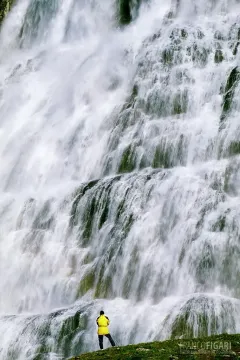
(102,323)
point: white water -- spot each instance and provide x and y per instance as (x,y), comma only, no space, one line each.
(63,85)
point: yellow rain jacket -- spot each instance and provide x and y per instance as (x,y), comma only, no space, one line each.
(103,322)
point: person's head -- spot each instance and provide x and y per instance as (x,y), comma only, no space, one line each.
(101,312)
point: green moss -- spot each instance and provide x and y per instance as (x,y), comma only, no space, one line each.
(120,209)
(233,77)
(180,103)
(227,176)
(164,103)
(41,352)
(86,283)
(199,55)
(220,224)
(104,285)
(168,56)
(161,158)
(122,206)
(231,84)
(127,224)
(127,284)
(79,193)
(235,49)
(218,58)
(234,148)
(170,350)
(127,163)
(42,335)
(104,214)
(69,330)
(5,6)
(132,99)
(181,327)
(88,220)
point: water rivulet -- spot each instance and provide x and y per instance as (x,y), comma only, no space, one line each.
(120,172)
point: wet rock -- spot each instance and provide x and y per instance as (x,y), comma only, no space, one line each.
(127,10)
(229,92)
(5,6)
(218,58)
(127,163)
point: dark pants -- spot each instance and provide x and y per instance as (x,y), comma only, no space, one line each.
(100,339)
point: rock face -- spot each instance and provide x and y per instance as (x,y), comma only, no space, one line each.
(127,10)
(5,6)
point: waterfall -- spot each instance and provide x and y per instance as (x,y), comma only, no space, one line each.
(120,172)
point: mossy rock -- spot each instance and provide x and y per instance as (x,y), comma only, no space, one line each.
(126,8)
(184,33)
(163,103)
(180,103)
(219,226)
(132,99)
(87,283)
(234,148)
(229,92)
(235,49)
(5,7)
(104,214)
(90,209)
(88,220)
(69,330)
(234,33)
(79,193)
(181,326)
(161,158)
(104,284)
(97,206)
(168,56)
(178,34)
(127,163)
(127,283)
(198,318)
(218,57)
(199,55)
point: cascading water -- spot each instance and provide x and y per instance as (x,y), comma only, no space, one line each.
(120,172)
